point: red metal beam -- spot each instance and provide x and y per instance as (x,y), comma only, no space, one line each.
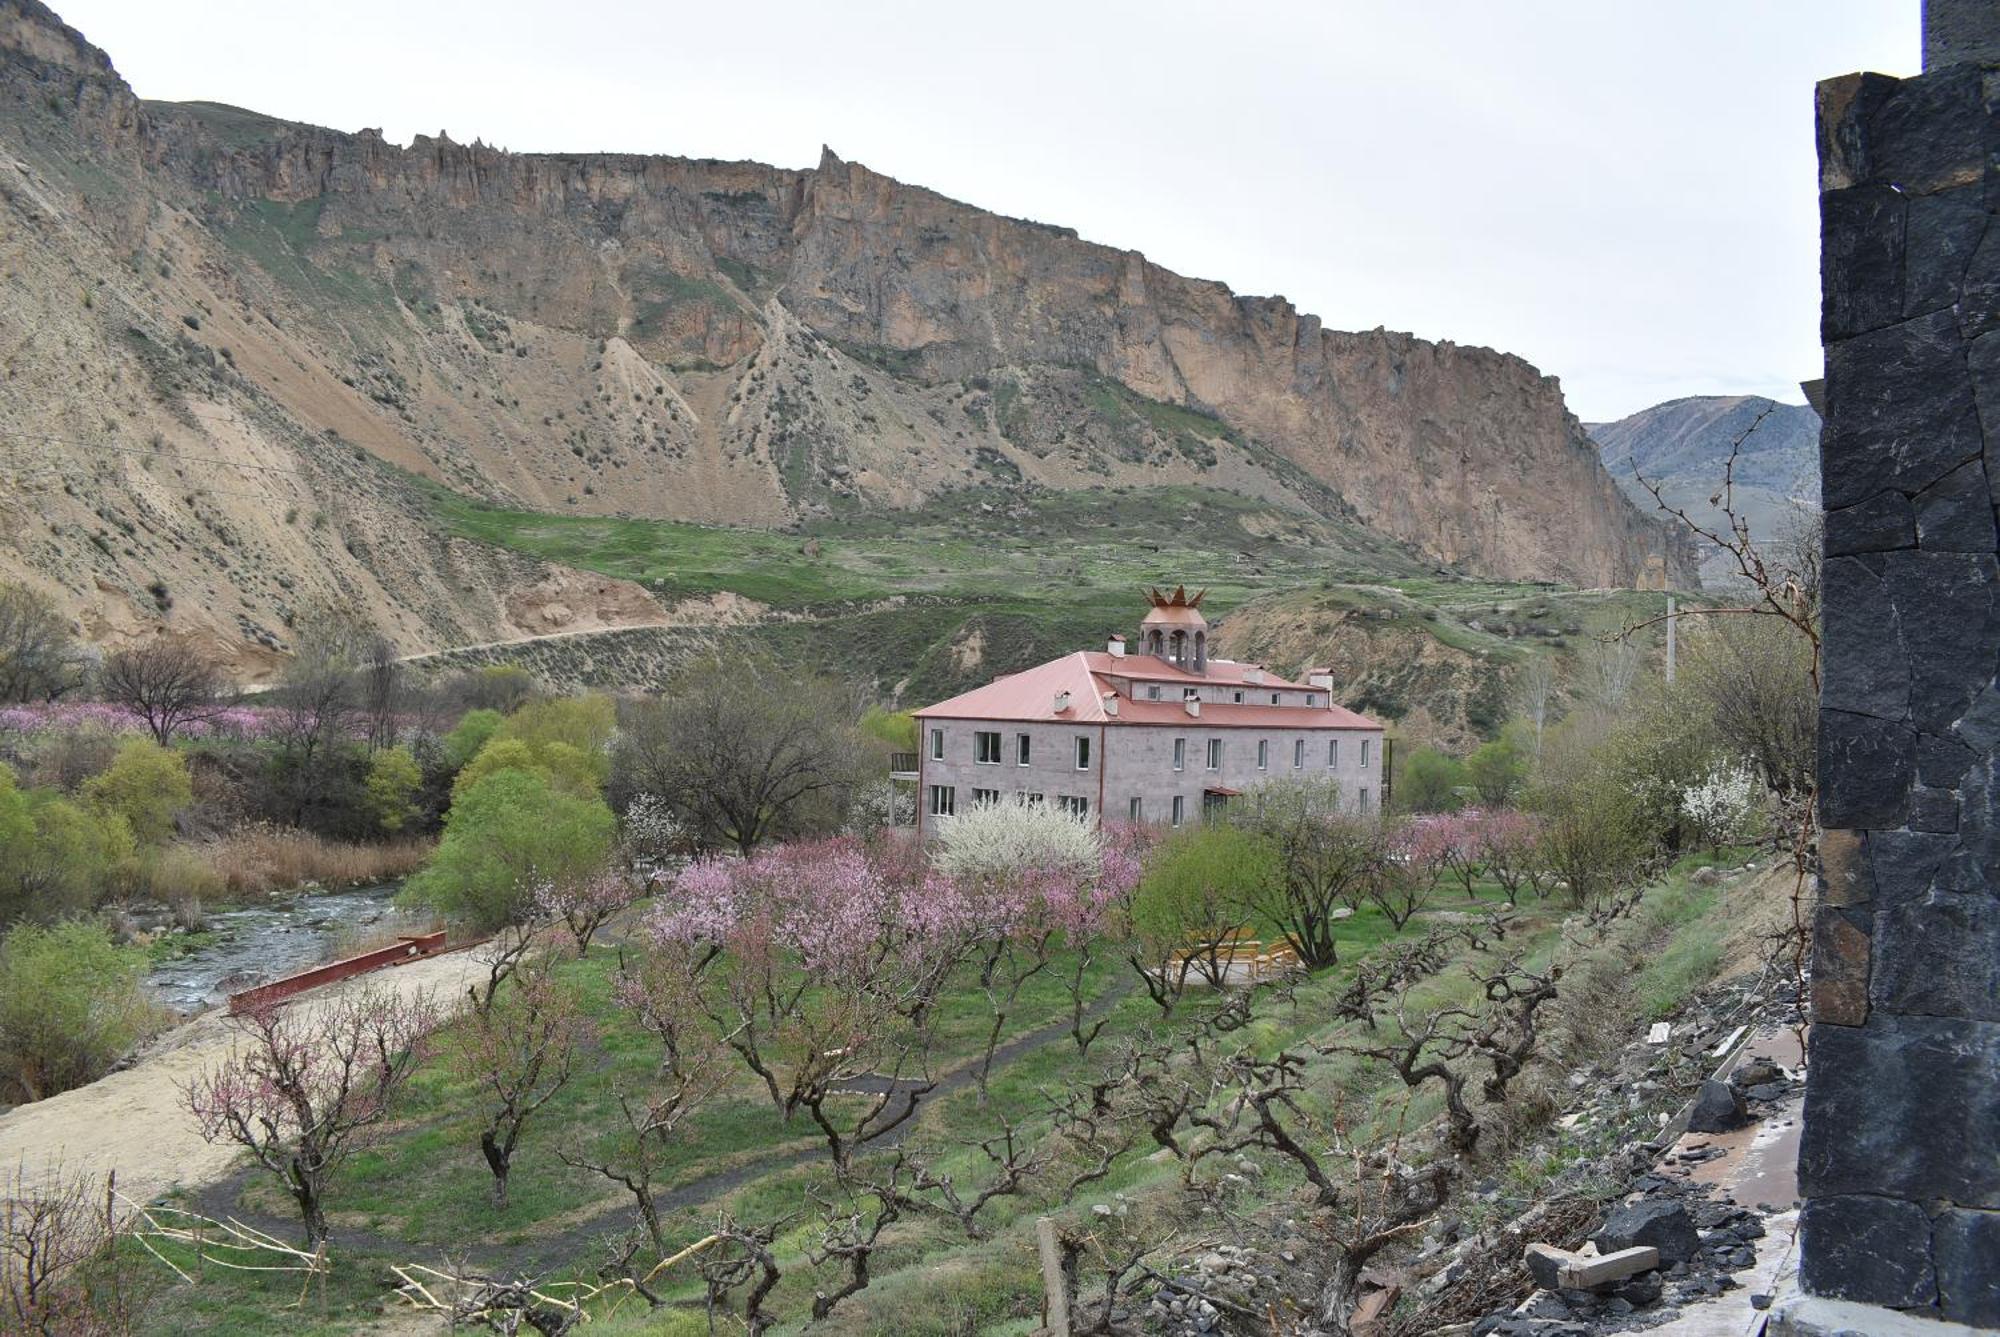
(407,948)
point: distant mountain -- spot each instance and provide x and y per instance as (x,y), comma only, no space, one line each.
(1684,446)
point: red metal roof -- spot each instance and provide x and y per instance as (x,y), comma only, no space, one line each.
(1030,695)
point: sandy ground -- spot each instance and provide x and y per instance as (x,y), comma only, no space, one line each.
(134,1122)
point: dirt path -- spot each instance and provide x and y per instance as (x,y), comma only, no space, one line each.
(133,1121)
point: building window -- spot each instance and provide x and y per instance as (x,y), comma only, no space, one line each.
(1263,754)
(1298,753)
(1361,800)
(1332,753)
(944,800)
(1074,806)
(1180,754)
(1237,697)
(1021,749)
(1215,754)
(986,747)
(1136,809)
(1082,753)
(1190,693)
(1274,698)
(937,745)
(980,796)
(1180,809)
(1311,700)
(1152,691)
(1364,753)
(1035,798)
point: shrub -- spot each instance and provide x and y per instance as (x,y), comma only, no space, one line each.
(505,835)
(146,785)
(70,1005)
(393,780)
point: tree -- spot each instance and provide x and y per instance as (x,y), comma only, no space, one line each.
(561,765)
(393,780)
(747,749)
(520,1052)
(168,683)
(1190,905)
(472,732)
(584,905)
(316,701)
(1323,860)
(71,1003)
(505,836)
(1593,836)
(67,860)
(1752,679)
(146,785)
(1497,769)
(308,1083)
(39,657)
(1429,780)
(1534,696)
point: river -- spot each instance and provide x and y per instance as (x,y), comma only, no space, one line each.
(257,943)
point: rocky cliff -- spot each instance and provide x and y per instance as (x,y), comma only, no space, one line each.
(724,342)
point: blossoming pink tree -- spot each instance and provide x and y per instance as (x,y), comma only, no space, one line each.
(584,906)
(307,1083)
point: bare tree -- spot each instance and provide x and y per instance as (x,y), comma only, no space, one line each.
(307,1084)
(381,689)
(1325,861)
(39,656)
(168,683)
(51,1226)
(747,749)
(521,1054)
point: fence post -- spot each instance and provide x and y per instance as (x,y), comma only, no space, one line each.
(1055,1281)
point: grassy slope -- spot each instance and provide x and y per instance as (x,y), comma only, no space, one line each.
(423,1192)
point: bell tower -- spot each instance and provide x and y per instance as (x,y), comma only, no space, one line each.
(1175,630)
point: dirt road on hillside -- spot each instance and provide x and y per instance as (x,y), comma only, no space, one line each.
(134,1122)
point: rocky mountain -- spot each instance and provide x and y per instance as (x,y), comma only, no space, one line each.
(1684,445)
(242,354)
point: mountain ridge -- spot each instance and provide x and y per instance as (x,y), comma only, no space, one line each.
(734,343)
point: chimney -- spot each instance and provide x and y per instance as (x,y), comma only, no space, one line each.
(1321,678)
(1193,705)
(1061,703)
(1111,704)
(1253,675)
(1117,647)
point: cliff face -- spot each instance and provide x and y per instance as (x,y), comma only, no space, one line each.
(737,343)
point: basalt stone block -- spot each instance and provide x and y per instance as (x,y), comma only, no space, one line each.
(1861,260)
(1874,1250)
(1982,361)
(1948,611)
(1840,954)
(1941,237)
(1973,868)
(1866,765)
(1939,956)
(1865,667)
(1955,514)
(1844,108)
(1979,727)
(1933,809)
(1900,411)
(1659,1222)
(1717,1108)
(1904,864)
(1966,1249)
(1929,135)
(1942,762)
(1845,877)
(1873,1087)
(1976,289)
(1883,523)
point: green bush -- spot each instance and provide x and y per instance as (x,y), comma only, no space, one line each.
(146,785)
(70,1005)
(506,833)
(393,780)
(472,732)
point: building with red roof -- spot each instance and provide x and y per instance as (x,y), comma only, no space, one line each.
(1162,735)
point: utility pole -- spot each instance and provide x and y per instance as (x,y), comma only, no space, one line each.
(1670,640)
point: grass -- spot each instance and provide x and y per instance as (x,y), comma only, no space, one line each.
(257,860)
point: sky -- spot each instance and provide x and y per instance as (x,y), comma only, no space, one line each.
(1622,193)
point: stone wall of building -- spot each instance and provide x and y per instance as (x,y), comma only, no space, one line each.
(1900,1159)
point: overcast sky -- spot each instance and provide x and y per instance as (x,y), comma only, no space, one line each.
(1622,193)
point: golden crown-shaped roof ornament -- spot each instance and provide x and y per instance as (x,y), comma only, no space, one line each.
(1180,598)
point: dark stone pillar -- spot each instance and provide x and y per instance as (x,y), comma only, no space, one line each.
(1900,1159)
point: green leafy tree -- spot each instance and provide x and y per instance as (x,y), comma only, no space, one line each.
(146,785)
(1324,860)
(71,1002)
(393,781)
(504,836)
(1190,906)
(72,858)
(1428,781)
(472,732)
(1496,770)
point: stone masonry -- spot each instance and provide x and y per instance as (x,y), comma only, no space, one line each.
(1900,1158)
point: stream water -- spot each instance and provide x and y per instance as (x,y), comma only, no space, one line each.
(262,942)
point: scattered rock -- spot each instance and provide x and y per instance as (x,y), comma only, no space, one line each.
(1717,1109)
(1663,1225)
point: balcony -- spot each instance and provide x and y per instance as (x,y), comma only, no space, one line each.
(902,765)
